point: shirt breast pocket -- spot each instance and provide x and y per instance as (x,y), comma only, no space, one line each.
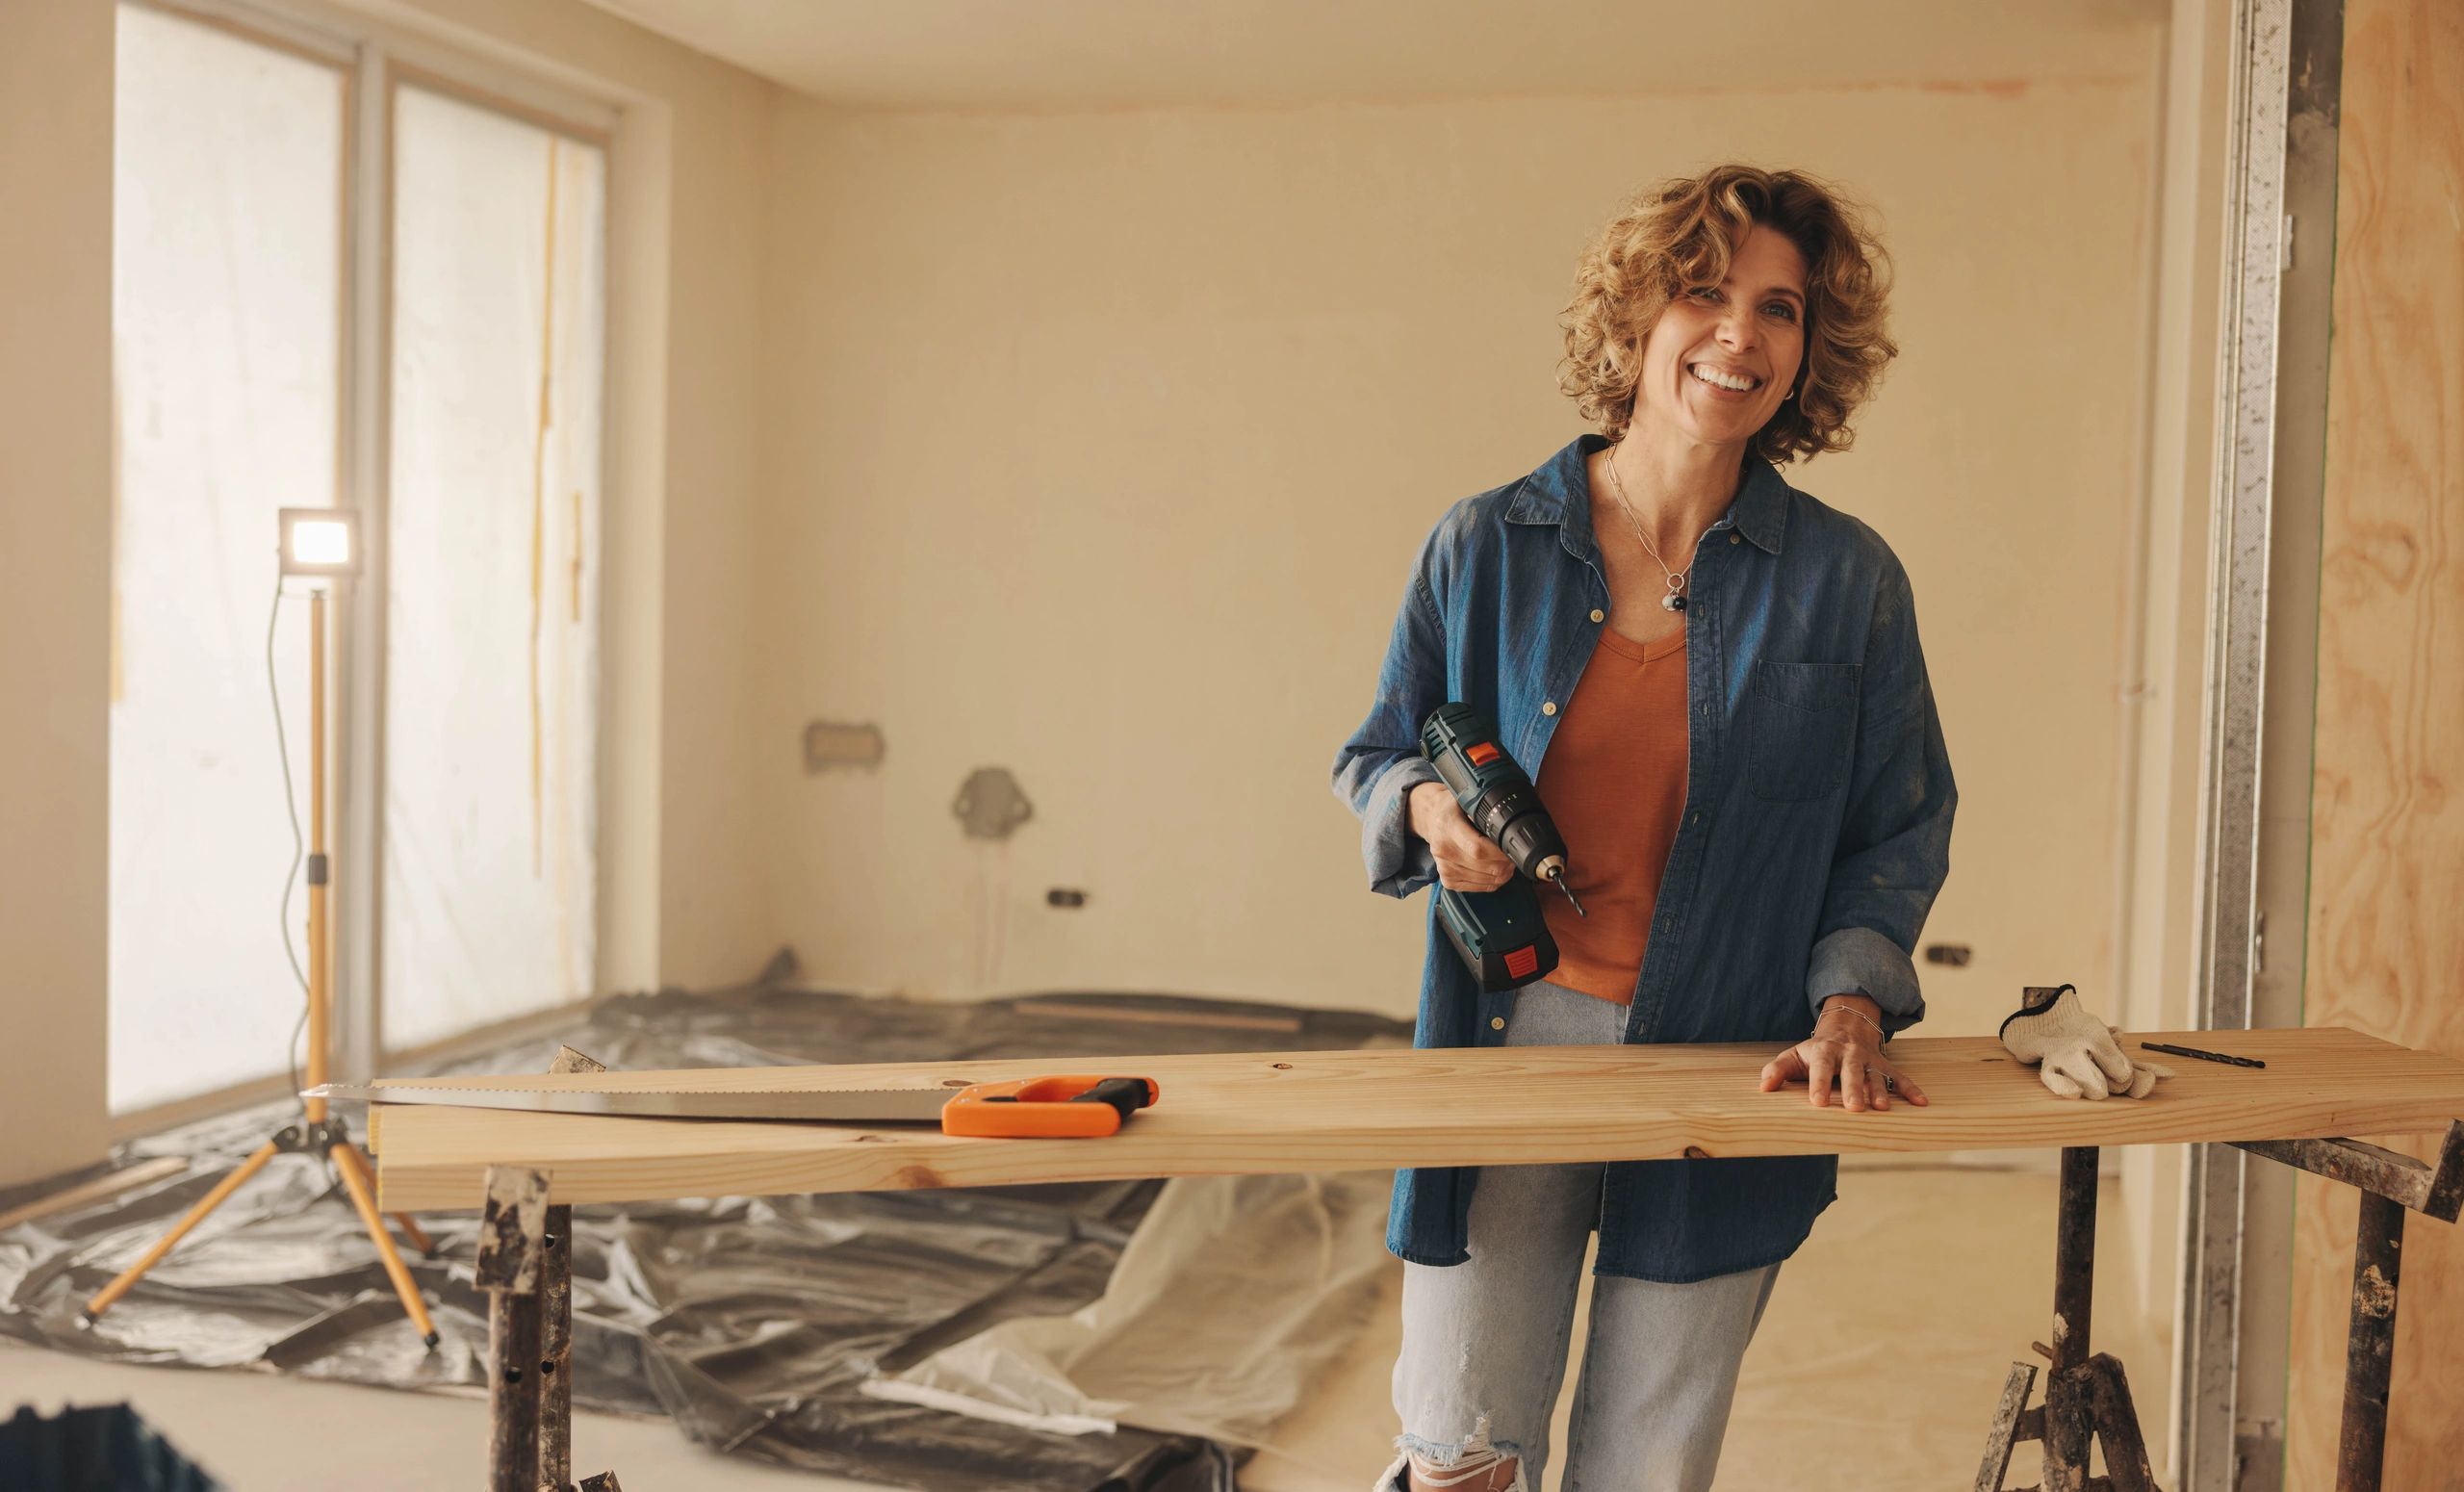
(1801,726)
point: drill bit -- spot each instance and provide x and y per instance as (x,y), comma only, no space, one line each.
(2192,1051)
(1557,875)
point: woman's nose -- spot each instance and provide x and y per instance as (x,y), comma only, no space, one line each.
(1736,328)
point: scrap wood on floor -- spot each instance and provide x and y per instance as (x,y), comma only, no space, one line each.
(835,1333)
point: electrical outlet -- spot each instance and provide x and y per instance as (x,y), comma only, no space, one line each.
(828,745)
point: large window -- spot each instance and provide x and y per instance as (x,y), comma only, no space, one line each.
(491,658)
(228,284)
(348,278)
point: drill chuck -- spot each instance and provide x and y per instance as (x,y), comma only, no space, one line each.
(1553,871)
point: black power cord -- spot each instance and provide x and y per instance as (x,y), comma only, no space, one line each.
(298,846)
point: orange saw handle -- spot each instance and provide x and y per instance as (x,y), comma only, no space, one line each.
(1050,1108)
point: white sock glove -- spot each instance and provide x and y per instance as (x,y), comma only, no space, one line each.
(2077,1055)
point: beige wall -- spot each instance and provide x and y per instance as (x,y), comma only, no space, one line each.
(55,581)
(1097,446)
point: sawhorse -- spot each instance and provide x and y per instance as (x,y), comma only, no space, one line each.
(2088,1398)
(526,1268)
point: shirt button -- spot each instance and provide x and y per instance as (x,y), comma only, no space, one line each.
(1599,615)
(1548,707)
(1497,1022)
(1734,539)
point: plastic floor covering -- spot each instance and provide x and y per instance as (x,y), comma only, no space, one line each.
(752,1322)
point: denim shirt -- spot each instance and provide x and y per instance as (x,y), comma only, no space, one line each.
(1816,832)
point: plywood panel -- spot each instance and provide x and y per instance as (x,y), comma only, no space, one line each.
(2387,835)
(1341,1111)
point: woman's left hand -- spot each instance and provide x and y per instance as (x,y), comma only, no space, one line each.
(1848,1050)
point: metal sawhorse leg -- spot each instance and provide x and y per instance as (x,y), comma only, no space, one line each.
(2088,1398)
(525,1267)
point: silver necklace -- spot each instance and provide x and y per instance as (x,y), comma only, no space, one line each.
(1675,600)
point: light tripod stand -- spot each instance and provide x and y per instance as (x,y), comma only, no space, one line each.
(318,543)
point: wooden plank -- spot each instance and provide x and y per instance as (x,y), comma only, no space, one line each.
(97,1189)
(2385,943)
(2437,1191)
(1254,1112)
(2004,1432)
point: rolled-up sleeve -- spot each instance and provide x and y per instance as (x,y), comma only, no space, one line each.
(1895,837)
(1377,769)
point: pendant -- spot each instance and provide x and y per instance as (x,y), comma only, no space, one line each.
(1672,601)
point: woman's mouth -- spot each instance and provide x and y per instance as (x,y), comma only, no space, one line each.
(1723,380)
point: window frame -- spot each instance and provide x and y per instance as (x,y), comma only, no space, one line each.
(376,61)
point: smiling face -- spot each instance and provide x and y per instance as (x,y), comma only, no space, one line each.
(1720,361)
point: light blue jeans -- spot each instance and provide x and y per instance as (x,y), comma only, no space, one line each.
(1484,1342)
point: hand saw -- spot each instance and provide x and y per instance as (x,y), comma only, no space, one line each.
(1053,1108)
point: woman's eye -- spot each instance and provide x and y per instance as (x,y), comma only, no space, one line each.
(1785,310)
(1704,293)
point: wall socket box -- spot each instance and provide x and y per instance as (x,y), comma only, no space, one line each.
(829,744)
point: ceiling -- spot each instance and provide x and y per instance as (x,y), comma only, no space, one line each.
(1108,53)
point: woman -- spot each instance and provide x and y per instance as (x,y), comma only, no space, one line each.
(1715,680)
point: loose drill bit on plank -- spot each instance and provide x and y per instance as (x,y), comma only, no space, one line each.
(2192,1051)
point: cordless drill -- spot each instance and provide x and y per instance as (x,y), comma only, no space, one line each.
(1499,935)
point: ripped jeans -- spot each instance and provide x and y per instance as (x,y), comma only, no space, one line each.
(1484,1342)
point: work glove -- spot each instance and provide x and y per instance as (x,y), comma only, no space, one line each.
(2077,1055)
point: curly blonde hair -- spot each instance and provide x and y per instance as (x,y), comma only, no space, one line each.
(1681,235)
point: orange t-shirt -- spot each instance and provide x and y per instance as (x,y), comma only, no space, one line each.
(1614,781)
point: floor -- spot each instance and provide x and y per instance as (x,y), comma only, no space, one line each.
(1884,1350)
(264,1432)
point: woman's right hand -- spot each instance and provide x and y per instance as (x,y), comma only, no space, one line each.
(1466,860)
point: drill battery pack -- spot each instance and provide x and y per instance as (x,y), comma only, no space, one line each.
(1499,935)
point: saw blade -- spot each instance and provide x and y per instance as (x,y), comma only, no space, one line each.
(826,1105)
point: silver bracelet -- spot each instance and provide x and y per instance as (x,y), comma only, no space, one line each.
(1851,1010)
